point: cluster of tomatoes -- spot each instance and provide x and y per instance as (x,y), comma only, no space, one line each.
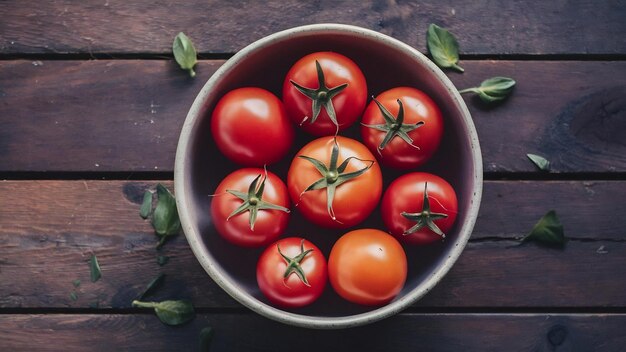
(333,181)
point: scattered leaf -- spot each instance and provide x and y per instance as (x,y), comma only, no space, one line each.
(153,285)
(162,260)
(206,337)
(542,163)
(76,283)
(165,217)
(492,89)
(95,268)
(73,296)
(548,231)
(185,53)
(170,312)
(146,205)
(443,47)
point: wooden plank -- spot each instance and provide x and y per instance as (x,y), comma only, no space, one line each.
(241,332)
(502,27)
(49,229)
(125,115)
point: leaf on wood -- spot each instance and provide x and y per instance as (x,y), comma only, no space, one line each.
(73,296)
(547,231)
(76,283)
(95,268)
(185,53)
(152,285)
(492,89)
(443,47)
(165,217)
(146,205)
(542,163)
(206,336)
(170,312)
(162,260)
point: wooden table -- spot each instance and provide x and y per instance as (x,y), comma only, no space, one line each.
(91,105)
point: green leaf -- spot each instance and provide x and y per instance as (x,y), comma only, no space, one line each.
(493,89)
(548,231)
(95,268)
(542,163)
(76,283)
(443,47)
(162,260)
(165,217)
(146,205)
(152,285)
(206,337)
(185,53)
(73,296)
(170,312)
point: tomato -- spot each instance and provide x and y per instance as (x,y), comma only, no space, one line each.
(322,87)
(250,126)
(249,209)
(367,266)
(409,218)
(415,139)
(292,272)
(342,196)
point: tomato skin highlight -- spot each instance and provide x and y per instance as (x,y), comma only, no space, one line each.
(269,225)
(367,267)
(353,201)
(250,126)
(291,292)
(348,104)
(406,194)
(418,107)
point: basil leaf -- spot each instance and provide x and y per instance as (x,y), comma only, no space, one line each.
(542,163)
(153,285)
(73,296)
(165,217)
(493,89)
(170,312)
(76,283)
(443,47)
(548,231)
(185,53)
(206,336)
(95,268)
(146,205)
(162,260)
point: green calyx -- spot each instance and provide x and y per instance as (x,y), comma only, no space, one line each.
(394,126)
(321,96)
(253,201)
(425,218)
(293,264)
(333,176)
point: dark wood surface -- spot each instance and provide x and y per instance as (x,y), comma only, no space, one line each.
(91,106)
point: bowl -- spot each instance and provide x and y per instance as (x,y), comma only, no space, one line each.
(386,63)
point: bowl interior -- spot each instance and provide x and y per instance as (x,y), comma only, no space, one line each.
(385,64)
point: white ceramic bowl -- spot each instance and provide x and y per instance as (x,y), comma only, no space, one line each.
(386,63)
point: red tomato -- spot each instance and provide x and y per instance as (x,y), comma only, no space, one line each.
(295,278)
(367,266)
(418,108)
(353,200)
(250,126)
(302,87)
(403,208)
(232,216)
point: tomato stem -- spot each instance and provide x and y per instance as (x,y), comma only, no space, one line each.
(293,264)
(425,218)
(394,126)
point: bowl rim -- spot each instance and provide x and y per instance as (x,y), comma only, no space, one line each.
(301,320)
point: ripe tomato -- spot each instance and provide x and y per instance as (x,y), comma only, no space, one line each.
(250,210)
(412,220)
(292,272)
(415,139)
(324,92)
(339,195)
(367,266)
(250,126)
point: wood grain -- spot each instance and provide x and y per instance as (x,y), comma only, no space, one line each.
(50,229)
(249,332)
(126,115)
(530,27)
